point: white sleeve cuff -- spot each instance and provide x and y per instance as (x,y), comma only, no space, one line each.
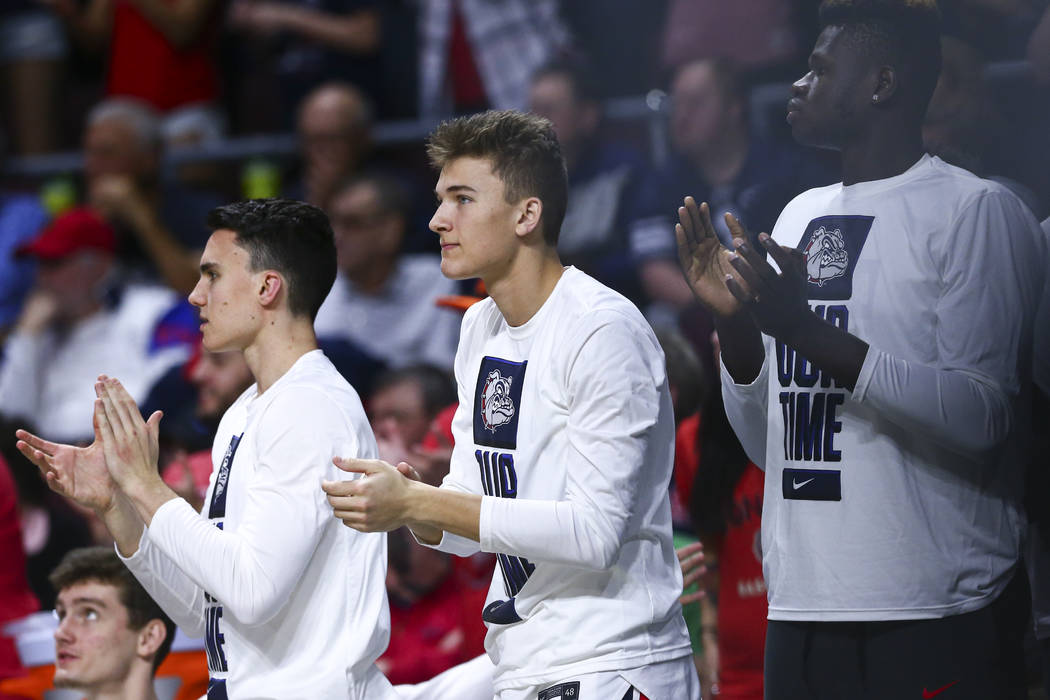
(867,372)
(139,558)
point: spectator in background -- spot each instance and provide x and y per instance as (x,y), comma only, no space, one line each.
(716,155)
(75,325)
(33,47)
(383,301)
(290,47)
(16,597)
(21,218)
(402,409)
(756,35)
(160,226)
(162,52)
(724,497)
(603,177)
(435,602)
(481,53)
(111,634)
(334,127)
(50,527)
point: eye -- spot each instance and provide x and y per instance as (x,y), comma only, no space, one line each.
(463,199)
(89,614)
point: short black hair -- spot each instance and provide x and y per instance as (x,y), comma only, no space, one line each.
(524,152)
(102,565)
(903,33)
(293,238)
(436,386)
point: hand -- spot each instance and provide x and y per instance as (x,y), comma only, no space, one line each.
(39,310)
(691,559)
(377,502)
(117,197)
(777,302)
(262,18)
(704,259)
(130,444)
(78,473)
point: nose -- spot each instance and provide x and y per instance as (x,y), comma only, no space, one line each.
(196,297)
(63,633)
(439,222)
(799,87)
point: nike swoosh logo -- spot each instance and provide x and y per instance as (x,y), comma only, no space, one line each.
(798,485)
(927,694)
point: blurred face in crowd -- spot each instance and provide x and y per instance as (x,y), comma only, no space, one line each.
(575,120)
(829,103)
(94,645)
(226,294)
(475,224)
(111,147)
(365,234)
(700,112)
(332,131)
(219,378)
(398,412)
(75,281)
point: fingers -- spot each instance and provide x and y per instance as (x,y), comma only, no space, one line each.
(747,273)
(110,409)
(736,229)
(739,291)
(689,550)
(408,471)
(339,489)
(35,456)
(359,466)
(687,598)
(787,259)
(153,424)
(37,443)
(693,576)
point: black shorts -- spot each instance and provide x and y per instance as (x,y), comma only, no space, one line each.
(974,656)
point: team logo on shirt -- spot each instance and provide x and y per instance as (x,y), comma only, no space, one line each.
(497,402)
(826,256)
(497,408)
(831,246)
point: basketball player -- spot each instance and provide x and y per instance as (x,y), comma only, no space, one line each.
(563,439)
(880,375)
(291,604)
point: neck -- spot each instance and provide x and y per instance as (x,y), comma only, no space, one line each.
(884,155)
(137,685)
(520,292)
(276,348)
(722,161)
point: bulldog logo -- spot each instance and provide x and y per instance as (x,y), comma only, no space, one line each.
(497,408)
(826,256)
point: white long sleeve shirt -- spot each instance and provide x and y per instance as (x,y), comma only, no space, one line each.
(900,500)
(565,427)
(292,604)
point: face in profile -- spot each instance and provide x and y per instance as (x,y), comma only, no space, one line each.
(475,223)
(225,294)
(94,645)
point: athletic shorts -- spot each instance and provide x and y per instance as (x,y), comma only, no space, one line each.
(973,656)
(668,680)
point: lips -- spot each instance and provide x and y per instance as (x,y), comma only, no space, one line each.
(64,657)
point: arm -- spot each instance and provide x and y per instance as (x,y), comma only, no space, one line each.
(616,394)
(356,33)
(254,569)
(117,197)
(989,283)
(180,22)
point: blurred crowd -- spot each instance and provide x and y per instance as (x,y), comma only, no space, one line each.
(96,263)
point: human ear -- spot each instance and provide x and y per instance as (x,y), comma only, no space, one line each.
(529,214)
(270,287)
(886,85)
(150,638)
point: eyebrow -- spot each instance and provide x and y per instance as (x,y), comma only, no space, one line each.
(452,189)
(90,601)
(208,266)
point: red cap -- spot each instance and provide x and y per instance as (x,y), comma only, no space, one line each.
(76,229)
